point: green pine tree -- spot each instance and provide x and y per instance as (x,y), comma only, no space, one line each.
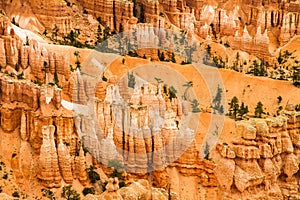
(259,110)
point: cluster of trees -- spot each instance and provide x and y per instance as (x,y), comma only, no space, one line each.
(236,111)
(282,61)
(161,56)
(258,69)
(296,76)
(219,63)
(283,58)
(103,35)
(72,38)
(213,60)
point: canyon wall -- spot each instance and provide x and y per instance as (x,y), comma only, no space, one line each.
(262,19)
(114,14)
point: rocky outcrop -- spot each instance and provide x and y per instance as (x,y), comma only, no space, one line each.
(141,190)
(111,190)
(144,135)
(65,162)
(10,120)
(80,167)
(264,159)
(114,14)
(20,92)
(258,46)
(48,160)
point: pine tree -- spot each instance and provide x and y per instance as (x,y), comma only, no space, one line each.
(234,107)
(259,110)
(173,58)
(162,56)
(243,110)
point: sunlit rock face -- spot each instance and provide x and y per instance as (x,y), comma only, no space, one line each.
(137,125)
(264,159)
(196,17)
(143,132)
(48,160)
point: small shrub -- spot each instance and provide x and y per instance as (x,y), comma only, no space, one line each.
(87,191)
(69,193)
(38,82)
(297,84)
(13,155)
(297,107)
(67,144)
(93,175)
(132,54)
(226,44)
(21,76)
(122,184)
(17,67)
(27,41)
(117,174)
(115,164)
(16,194)
(104,78)
(13,21)
(279,98)
(85,12)
(5,176)
(85,150)
(48,193)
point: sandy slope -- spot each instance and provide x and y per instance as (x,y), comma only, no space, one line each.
(247,88)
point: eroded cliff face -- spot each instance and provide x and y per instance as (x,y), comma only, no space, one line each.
(247,25)
(264,162)
(144,133)
(49,136)
(145,130)
(44,17)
